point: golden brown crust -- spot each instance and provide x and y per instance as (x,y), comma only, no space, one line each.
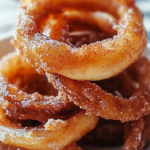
(44,36)
(21,105)
(134,135)
(41,138)
(96,101)
(11,147)
(21,112)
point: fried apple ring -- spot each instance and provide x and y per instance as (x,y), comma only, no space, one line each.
(18,104)
(46,137)
(96,101)
(96,61)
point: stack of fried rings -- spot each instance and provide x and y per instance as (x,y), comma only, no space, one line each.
(51,51)
(65,121)
(46,135)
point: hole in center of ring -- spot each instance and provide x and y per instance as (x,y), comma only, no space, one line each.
(33,82)
(85,33)
(76,29)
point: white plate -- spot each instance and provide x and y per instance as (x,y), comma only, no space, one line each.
(6,47)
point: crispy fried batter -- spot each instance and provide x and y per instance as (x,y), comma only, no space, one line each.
(41,138)
(96,101)
(134,135)
(10,147)
(34,115)
(20,105)
(52,50)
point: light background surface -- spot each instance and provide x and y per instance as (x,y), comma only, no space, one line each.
(9,12)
